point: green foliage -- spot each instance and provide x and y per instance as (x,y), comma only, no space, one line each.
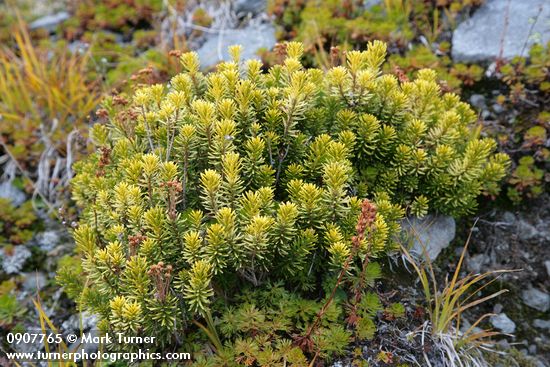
(127,66)
(123,17)
(446,306)
(70,271)
(331,22)
(124,41)
(451,76)
(9,309)
(351,25)
(264,322)
(528,77)
(395,310)
(527,180)
(528,89)
(17,225)
(243,178)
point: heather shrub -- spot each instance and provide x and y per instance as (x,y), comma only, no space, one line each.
(214,189)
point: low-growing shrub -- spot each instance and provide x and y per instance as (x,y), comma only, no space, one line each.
(242,180)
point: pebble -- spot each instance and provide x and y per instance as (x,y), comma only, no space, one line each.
(503,323)
(50,22)
(536,299)
(435,232)
(542,324)
(252,7)
(478,101)
(508,217)
(526,231)
(476,262)
(497,108)
(34,281)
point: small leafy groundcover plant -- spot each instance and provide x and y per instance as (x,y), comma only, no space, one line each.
(232,199)
(17,225)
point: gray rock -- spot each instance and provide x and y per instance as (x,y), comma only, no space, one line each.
(476,262)
(542,324)
(13,261)
(478,101)
(547,266)
(526,231)
(249,6)
(252,38)
(84,322)
(504,344)
(434,232)
(465,327)
(47,240)
(73,323)
(370,3)
(482,36)
(509,217)
(498,108)
(50,22)
(503,323)
(536,299)
(34,281)
(12,193)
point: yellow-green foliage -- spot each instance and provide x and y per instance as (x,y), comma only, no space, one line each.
(215,182)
